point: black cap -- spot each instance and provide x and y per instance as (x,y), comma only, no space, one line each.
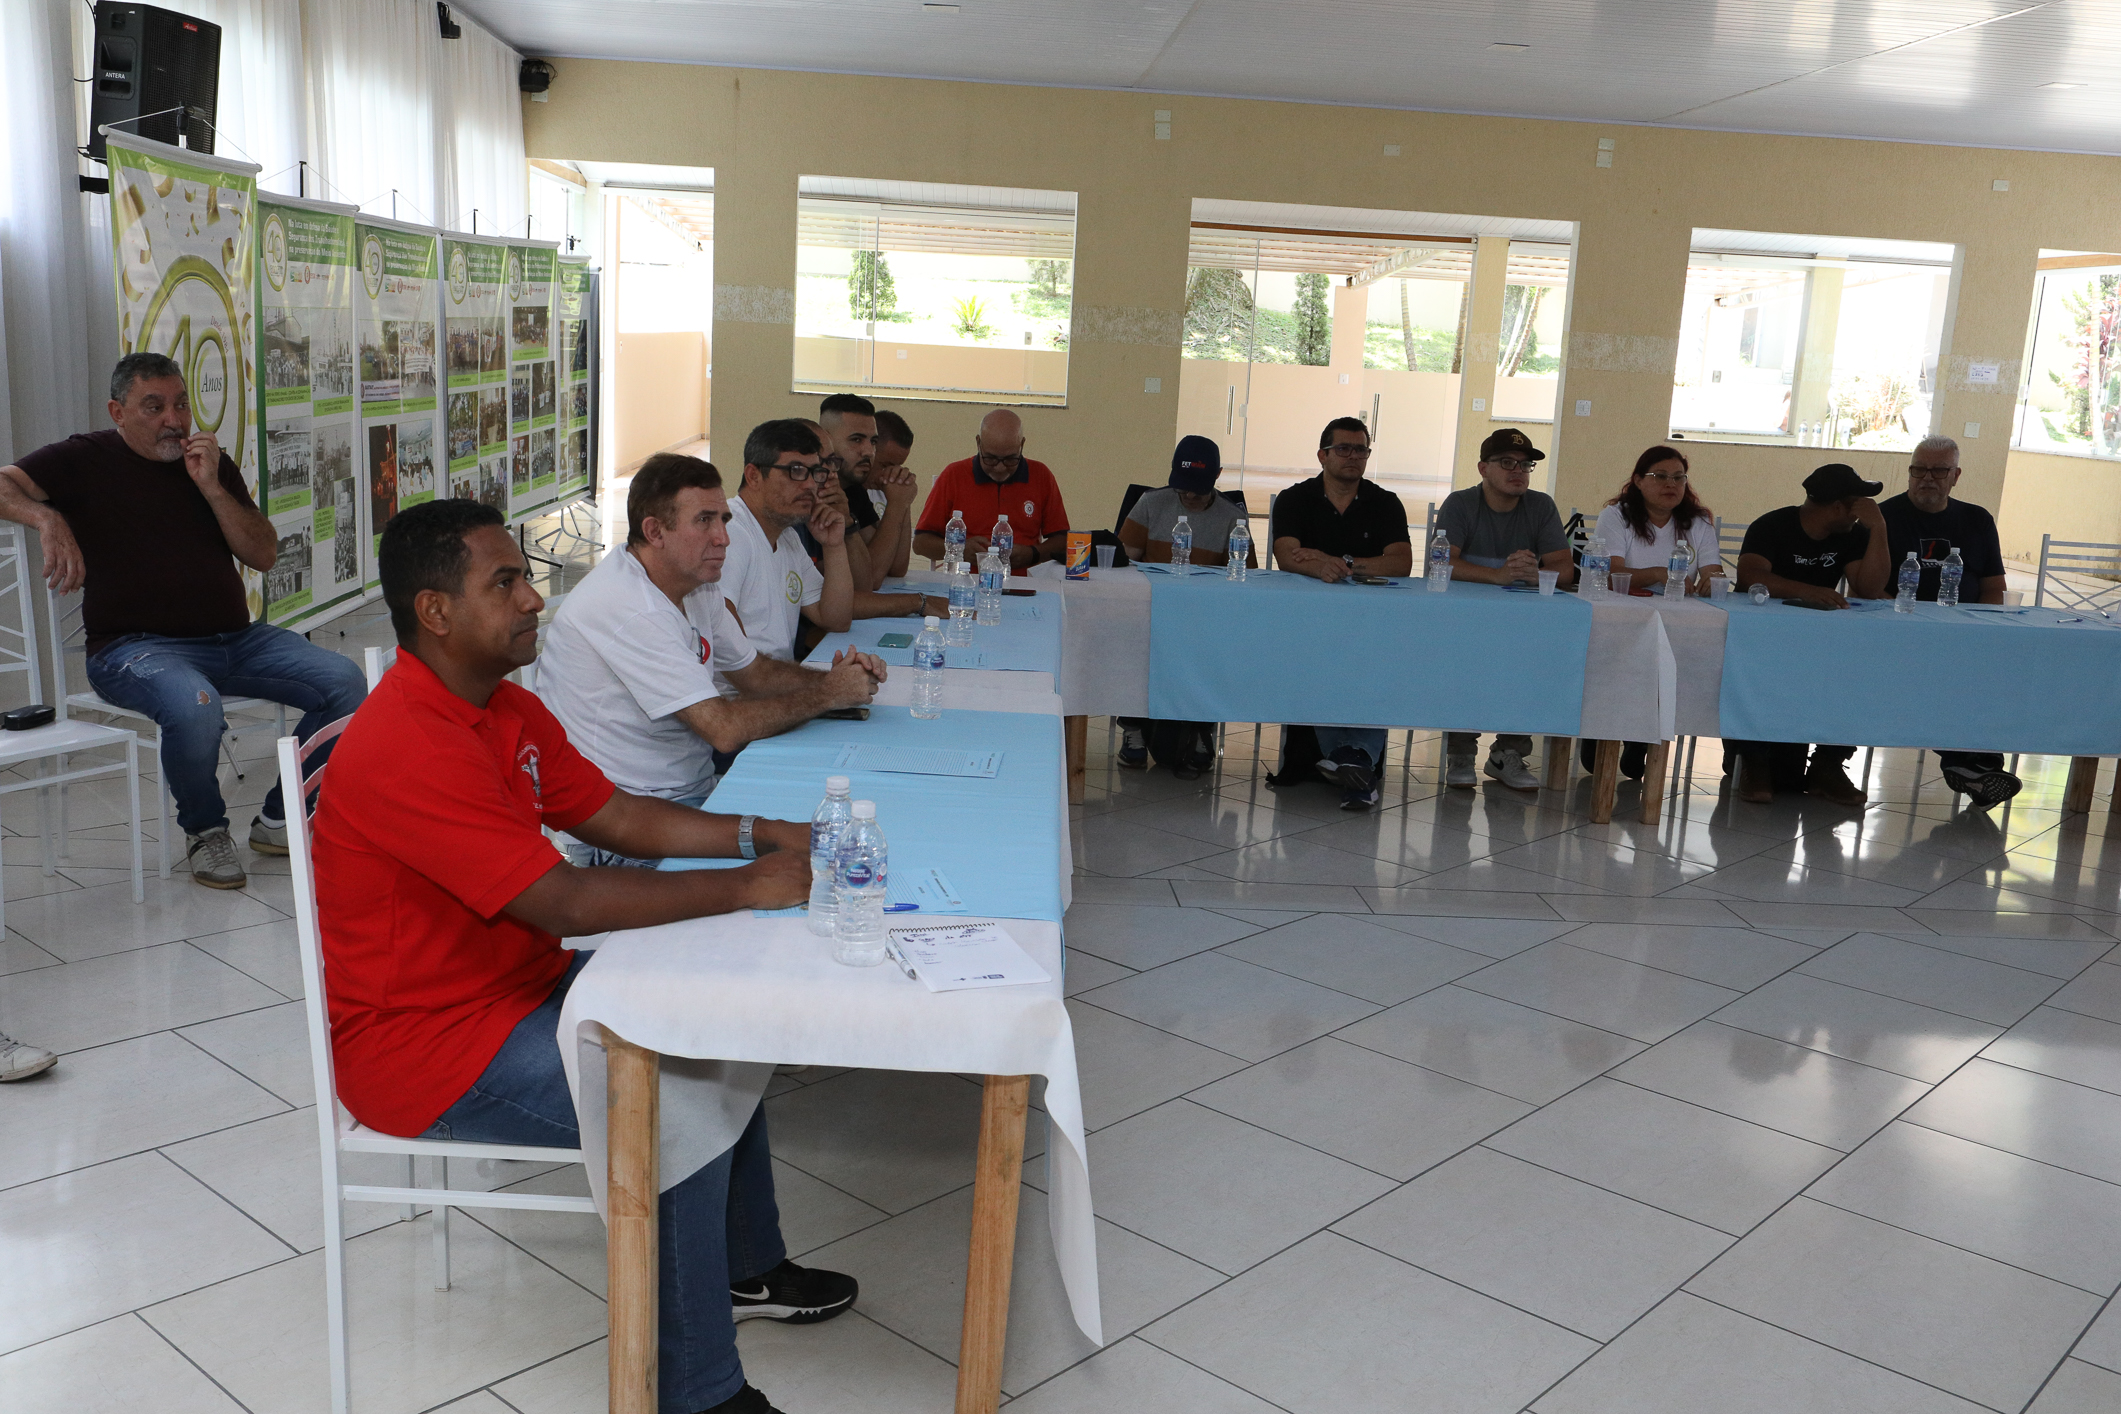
(1509,440)
(1838,481)
(1195,464)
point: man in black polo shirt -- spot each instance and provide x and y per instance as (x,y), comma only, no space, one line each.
(1335,525)
(1926,520)
(1804,552)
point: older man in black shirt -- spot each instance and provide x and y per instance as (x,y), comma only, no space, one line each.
(1333,526)
(1804,552)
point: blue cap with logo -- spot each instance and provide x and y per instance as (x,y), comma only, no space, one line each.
(1196,464)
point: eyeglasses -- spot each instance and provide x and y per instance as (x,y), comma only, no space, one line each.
(797,471)
(1668,478)
(1354,450)
(1931,473)
(995,463)
(1510,463)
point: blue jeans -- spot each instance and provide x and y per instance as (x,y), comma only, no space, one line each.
(717,1223)
(1368,740)
(178,683)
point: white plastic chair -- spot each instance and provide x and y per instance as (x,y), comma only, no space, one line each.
(1730,536)
(374,663)
(2079,574)
(339,1133)
(67,636)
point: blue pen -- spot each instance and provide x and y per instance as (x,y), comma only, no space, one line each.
(901,907)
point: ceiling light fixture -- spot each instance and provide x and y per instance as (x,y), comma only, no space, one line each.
(936,9)
(1502,47)
(2064,85)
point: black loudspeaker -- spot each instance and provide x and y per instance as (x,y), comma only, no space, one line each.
(155,62)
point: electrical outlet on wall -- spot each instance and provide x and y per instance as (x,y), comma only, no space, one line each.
(1480,404)
(1583,407)
(1152,385)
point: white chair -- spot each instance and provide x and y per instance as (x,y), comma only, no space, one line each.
(374,663)
(2079,575)
(1729,537)
(339,1134)
(67,636)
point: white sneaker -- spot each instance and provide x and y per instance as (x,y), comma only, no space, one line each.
(1508,767)
(212,855)
(1458,772)
(20,1062)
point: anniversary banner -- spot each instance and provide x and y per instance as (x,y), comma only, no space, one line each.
(182,237)
(533,381)
(574,311)
(308,483)
(475,278)
(394,323)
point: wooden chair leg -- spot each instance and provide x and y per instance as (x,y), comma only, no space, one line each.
(1078,736)
(1557,763)
(998,1174)
(632,1099)
(1653,781)
(1605,781)
(2083,780)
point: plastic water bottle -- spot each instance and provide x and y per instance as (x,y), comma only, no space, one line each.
(954,538)
(1003,541)
(1240,550)
(1182,542)
(1948,582)
(1439,563)
(928,670)
(1597,566)
(964,603)
(1678,568)
(993,570)
(826,827)
(861,874)
(1910,581)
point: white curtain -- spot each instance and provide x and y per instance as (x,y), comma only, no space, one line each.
(46,288)
(375,72)
(483,162)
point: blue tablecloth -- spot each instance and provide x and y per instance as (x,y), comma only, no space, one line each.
(1288,648)
(1953,679)
(1019,643)
(996,838)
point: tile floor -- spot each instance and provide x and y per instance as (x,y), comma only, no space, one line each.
(1466,1106)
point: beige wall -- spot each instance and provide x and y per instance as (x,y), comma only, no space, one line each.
(2070,498)
(659,388)
(760,130)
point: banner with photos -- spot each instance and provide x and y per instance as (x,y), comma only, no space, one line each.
(395,310)
(309,486)
(533,382)
(182,252)
(575,312)
(474,308)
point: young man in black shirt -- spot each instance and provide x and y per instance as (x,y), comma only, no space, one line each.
(1926,520)
(1335,525)
(1804,552)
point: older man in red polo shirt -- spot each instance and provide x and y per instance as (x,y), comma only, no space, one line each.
(442,906)
(998,480)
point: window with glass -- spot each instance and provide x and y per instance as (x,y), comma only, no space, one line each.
(916,290)
(2069,399)
(1809,340)
(1535,303)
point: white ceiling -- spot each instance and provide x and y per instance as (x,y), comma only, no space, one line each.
(1950,71)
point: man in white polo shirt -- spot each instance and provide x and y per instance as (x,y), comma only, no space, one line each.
(768,578)
(631,661)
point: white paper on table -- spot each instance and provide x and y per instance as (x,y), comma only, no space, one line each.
(926,889)
(971,955)
(918,760)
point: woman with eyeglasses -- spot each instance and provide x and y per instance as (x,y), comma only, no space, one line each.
(1653,512)
(1640,527)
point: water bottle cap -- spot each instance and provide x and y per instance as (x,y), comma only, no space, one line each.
(928,621)
(865,810)
(963,567)
(837,785)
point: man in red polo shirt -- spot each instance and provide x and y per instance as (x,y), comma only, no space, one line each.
(998,481)
(442,906)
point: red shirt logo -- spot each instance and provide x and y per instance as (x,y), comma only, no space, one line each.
(706,649)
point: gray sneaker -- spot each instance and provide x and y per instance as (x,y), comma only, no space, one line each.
(20,1062)
(267,839)
(212,856)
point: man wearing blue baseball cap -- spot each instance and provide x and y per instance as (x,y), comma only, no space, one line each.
(1186,747)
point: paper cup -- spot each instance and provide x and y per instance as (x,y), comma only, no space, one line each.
(1621,581)
(1548,579)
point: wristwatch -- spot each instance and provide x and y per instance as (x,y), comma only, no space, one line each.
(744,845)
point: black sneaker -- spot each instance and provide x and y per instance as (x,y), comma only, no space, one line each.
(792,1295)
(745,1401)
(1993,788)
(1349,768)
(1360,799)
(1133,749)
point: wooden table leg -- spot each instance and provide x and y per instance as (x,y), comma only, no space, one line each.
(1557,763)
(631,1097)
(1078,730)
(2083,780)
(987,1270)
(1605,780)
(1653,781)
